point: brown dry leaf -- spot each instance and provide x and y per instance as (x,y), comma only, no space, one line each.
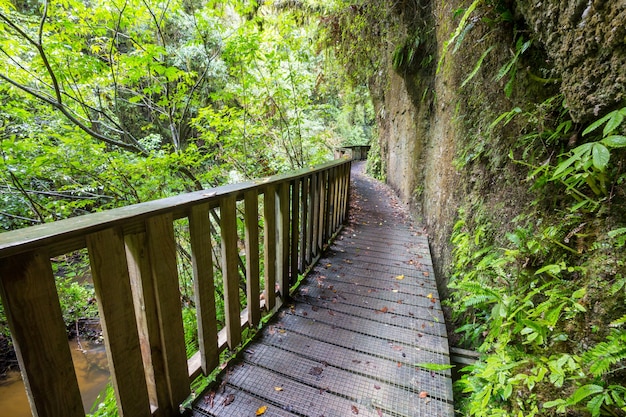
(355,410)
(426,273)
(261,410)
(423,394)
(278,388)
(228,400)
(397,348)
(433,300)
(282,331)
(384,309)
(316,371)
(399,364)
(400,301)
(332,313)
(400,277)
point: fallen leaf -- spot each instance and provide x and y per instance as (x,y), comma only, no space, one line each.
(278,388)
(426,274)
(400,301)
(355,410)
(261,410)
(228,400)
(316,371)
(282,331)
(396,347)
(399,364)
(430,295)
(400,277)
(332,313)
(376,386)
(433,300)
(356,361)
(384,309)
(210,399)
(423,394)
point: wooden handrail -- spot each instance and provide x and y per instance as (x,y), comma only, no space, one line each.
(132,256)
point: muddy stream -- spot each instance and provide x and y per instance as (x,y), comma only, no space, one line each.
(91,370)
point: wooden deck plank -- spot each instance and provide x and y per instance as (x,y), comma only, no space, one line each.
(357,327)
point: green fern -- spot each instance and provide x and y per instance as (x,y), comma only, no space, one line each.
(606,354)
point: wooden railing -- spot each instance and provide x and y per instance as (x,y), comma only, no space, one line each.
(134,266)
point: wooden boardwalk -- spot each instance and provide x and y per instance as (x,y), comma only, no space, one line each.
(360,322)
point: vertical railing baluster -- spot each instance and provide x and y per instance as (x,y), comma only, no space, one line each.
(111,281)
(269,242)
(31,304)
(204,287)
(314,208)
(251,223)
(230,273)
(146,312)
(321,236)
(162,250)
(294,236)
(282,251)
(304,229)
(315,218)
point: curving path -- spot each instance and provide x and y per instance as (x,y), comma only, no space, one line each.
(359,324)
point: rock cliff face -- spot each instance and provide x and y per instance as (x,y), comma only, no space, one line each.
(437,138)
(586,40)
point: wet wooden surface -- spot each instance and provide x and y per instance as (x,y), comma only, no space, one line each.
(360,323)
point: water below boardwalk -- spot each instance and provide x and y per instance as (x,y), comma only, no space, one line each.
(91,370)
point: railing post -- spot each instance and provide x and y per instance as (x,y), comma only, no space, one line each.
(204,287)
(269,242)
(295,231)
(251,222)
(32,307)
(162,246)
(117,316)
(230,273)
(282,252)
(316,194)
(305,249)
(314,212)
(323,203)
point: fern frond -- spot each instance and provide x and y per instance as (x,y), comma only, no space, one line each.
(606,354)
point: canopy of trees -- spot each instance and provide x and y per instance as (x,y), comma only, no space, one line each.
(118,102)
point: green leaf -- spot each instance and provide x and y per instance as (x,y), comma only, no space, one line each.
(615,141)
(554,403)
(595,404)
(477,66)
(596,124)
(584,392)
(601,156)
(434,366)
(613,123)
(553,269)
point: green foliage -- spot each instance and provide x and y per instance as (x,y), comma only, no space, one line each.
(518,298)
(510,68)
